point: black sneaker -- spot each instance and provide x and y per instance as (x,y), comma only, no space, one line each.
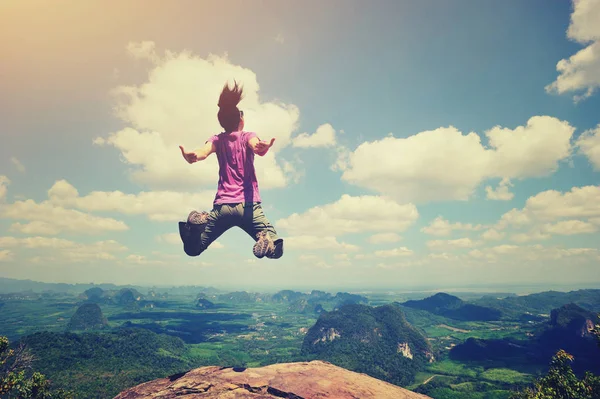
(278,249)
(190,236)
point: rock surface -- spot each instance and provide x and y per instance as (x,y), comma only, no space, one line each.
(302,380)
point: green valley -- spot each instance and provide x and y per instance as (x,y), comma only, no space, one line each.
(97,341)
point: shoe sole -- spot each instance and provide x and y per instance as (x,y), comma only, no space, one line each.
(203,216)
(261,248)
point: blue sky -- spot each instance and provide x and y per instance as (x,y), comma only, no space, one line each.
(421,105)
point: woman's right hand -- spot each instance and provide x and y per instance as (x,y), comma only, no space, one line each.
(190,157)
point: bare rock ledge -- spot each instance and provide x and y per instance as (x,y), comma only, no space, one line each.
(302,380)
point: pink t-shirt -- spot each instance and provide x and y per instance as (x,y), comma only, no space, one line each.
(237,177)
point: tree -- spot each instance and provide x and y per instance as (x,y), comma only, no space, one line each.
(18,381)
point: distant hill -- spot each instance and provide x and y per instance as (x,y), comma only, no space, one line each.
(87,317)
(301,306)
(287,296)
(376,341)
(100,365)
(9,285)
(298,301)
(543,302)
(483,350)
(95,294)
(569,328)
(344,298)
(319,295)
(205,304)
(309,303)
(573,318)
(454,308)
(127,296)
(243,297)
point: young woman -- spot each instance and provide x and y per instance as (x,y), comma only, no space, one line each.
(237,202)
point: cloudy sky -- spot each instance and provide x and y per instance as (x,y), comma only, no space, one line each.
(418,143)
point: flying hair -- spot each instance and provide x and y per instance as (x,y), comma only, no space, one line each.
(229,114)
(230,98)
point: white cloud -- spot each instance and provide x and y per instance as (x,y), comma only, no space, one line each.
(444,164)
(308,258)
(533,150)
(323,265)
(443,256)
(384,238)
(501,193)
(175,239)
(584,25)
(169,238)
(589,144)
(4,182)
(479,254)
(552,205)
(6,255)
(217,245)
(343,257)
(570,227)
(547,230)
(395,252)
(36,227)
(352,215)
(323,137)
(142,50)
(442,227)
(62,250)
(177,105)
(533,235)
(51,219)
(58,243)
(505,249)
(554,213)
(532,252)
(492,235)
(581,71)
(143,260)
(20,167)
(156,205)
(308,242)
(293,170)
(342,159)
(449,245)
(515,218)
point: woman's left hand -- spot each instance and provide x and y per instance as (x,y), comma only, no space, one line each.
(263,146)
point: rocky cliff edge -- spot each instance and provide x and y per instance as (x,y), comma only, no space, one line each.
(302,380)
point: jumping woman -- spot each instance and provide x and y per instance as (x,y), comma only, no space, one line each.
(237,202)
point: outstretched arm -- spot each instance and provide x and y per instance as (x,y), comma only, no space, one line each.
(200,154)
(260,147)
